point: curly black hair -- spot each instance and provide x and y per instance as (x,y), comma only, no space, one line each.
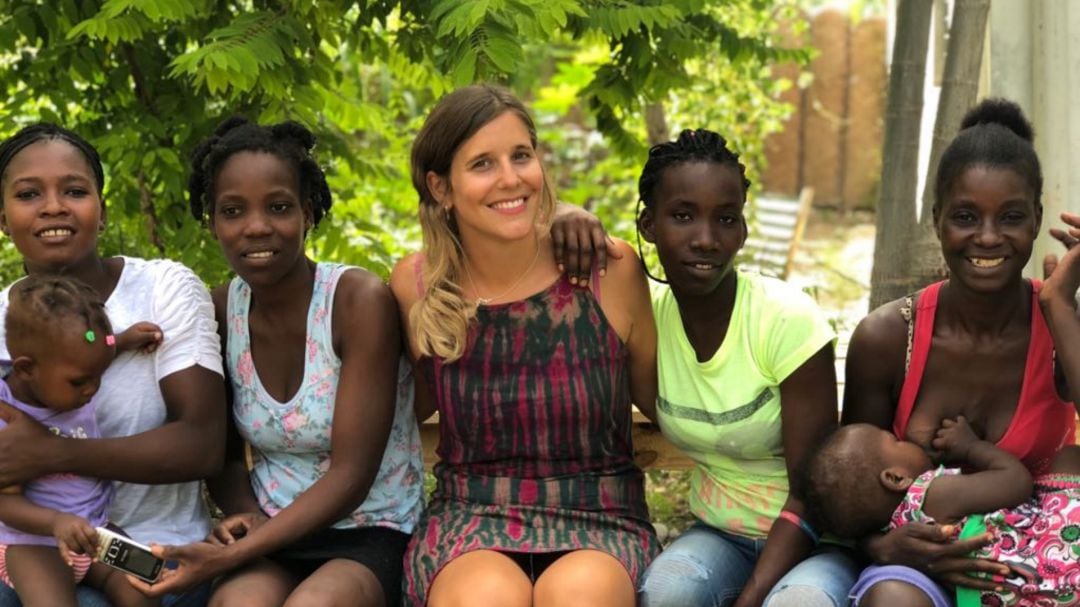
(290,141)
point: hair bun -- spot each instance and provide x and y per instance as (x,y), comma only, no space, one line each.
(231,123)
(1002,112)
(295,131)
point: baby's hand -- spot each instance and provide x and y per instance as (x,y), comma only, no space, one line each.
(954,438)
(142,336)
(74,534)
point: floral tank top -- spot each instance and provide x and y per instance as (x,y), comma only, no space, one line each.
(291,440)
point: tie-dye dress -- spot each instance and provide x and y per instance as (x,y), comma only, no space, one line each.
(534,441)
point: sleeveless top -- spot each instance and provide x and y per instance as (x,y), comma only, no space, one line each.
(534,440)
(1042,423)
(291,441)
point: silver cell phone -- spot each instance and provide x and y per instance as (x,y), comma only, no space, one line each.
(127,555)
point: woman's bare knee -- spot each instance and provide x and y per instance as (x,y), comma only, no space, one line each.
(483,578)
(339,583)
(262,583)
(587,578)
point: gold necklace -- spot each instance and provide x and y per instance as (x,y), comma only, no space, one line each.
(486,301)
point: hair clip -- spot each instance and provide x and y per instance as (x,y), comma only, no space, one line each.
(110,340)
(90,337)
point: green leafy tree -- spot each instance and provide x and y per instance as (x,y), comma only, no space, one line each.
(145,80)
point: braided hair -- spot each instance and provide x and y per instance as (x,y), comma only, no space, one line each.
(39,304)
(699,145)
(289,141)
(46,131)
(995,133)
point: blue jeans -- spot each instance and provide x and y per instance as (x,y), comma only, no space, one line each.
(708,567)
(88,597)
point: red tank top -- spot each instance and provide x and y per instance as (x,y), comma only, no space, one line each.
(1042,424)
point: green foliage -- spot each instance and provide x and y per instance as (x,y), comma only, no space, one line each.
(145,80)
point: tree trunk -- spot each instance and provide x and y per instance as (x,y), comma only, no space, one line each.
(900,153)
(656,125)
(959,89)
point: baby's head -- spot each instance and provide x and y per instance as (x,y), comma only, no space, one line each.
(59,340)
(858,477)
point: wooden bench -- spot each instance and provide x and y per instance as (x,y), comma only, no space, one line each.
(651,449)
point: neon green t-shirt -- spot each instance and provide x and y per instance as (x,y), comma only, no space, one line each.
(725,413)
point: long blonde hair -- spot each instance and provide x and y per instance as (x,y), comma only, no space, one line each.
(440,319)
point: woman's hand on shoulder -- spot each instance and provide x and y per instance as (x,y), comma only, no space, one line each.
(581,244)
(933,550)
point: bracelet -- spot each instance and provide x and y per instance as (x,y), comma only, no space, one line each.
(797,520)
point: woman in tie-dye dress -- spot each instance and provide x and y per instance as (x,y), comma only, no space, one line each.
(538,500)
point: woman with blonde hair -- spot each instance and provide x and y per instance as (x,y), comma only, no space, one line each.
(537,498)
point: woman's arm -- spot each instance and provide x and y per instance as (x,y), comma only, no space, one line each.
(231,488)
(808,415)
(874,367)
(624,298)
(369,348)
(1057,298)
(188,446)
(580,243)
(404,283)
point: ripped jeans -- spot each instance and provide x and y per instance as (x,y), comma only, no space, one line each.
(707,567)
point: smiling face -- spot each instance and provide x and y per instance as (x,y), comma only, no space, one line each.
(496,182)
(52,209)
(258,216)
(987,226)
(697,225)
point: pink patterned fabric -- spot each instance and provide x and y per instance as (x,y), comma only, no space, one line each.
(1040,537)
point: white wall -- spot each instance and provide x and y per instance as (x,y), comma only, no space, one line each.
(1035,60)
